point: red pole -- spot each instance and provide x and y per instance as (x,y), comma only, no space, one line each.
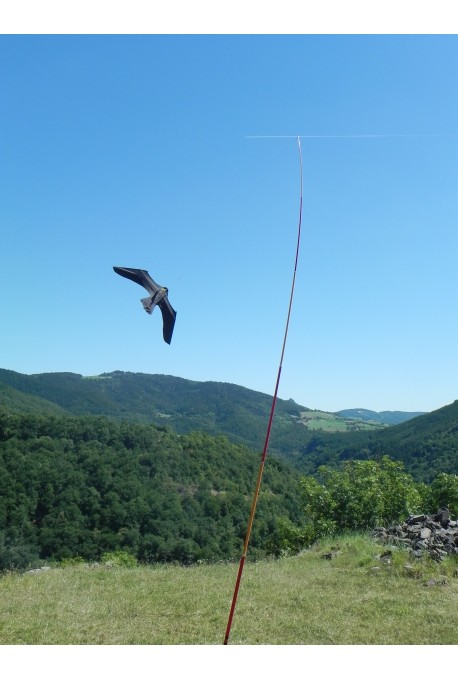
(269,426)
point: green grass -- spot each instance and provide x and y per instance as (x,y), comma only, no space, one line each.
(318,420)
(351,599)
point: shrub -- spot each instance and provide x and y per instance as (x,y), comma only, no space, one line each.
(443,492)
(70,561)
(361,495)
(119,558)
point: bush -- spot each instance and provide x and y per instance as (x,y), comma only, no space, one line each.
(17,555)
(70,562)
(356,497)
(119,558)
(290,539)
(443,492)
(361,495)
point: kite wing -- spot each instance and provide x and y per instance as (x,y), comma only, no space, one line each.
(139,276)
(168,317)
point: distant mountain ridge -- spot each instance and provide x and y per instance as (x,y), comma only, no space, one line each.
(427,444)
(389,417)
(185,405)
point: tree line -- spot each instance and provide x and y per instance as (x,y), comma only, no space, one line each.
(83,486)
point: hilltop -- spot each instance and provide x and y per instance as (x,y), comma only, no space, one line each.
(354,598)
(426,443)
(184,405)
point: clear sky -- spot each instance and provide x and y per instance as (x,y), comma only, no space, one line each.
(132,150)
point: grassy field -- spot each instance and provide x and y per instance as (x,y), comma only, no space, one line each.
(352,598)
(317,420)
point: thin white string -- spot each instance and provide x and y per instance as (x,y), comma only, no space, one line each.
(342,136)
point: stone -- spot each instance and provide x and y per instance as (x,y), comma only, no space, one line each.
(43,569)
(431,583)
(423,533)
(332,554)
(443,516)
(416,519)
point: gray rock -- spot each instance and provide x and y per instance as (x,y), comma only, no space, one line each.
(43,569)
(431,583)
(443,516)
(416,519)
(332,554)
(435,533)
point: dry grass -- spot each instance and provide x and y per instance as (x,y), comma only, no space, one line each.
(298,600)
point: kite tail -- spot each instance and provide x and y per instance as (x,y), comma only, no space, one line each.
(148,304)
(269,426)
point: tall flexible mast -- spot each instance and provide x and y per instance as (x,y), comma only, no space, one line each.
(269,426)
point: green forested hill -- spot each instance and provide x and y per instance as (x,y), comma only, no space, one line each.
(82,486)
(85,485)
(427,444)
(18,401)
(239,413)
(185,405)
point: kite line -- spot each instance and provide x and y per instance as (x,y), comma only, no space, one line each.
(269,425)
(343,136)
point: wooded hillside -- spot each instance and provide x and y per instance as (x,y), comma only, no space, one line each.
(426,445)
(84,486)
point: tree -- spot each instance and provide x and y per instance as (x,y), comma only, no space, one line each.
(358,496)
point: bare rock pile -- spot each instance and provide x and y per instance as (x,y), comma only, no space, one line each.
(435,534)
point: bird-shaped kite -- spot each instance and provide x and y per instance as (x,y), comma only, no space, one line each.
(158,296)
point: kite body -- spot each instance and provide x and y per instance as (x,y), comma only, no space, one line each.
(158,296)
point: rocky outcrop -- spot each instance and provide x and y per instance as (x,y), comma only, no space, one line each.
(435,534)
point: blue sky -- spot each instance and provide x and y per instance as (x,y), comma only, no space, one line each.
(132,150)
